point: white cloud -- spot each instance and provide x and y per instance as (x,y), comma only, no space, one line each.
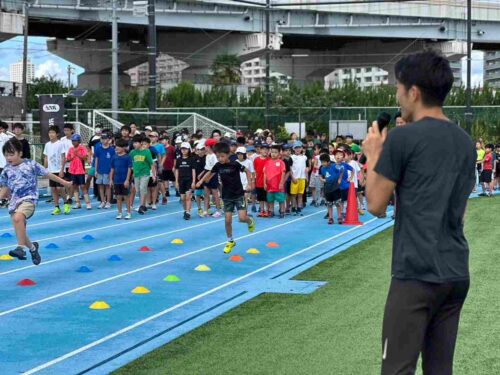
(4,74)
(50,68)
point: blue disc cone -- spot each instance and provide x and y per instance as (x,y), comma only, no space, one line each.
(84,269)
(6,235)
(51,246)
(114,258)
(88,237)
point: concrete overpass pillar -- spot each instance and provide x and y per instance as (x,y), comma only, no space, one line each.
(95,58)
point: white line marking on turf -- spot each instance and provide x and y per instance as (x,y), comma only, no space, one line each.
(181,304)
(71,291)
(127,222)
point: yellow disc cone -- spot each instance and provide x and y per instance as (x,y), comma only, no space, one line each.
(253,251)
(177,241)
(140,290)
(202,268)
(6,257)
(99,305)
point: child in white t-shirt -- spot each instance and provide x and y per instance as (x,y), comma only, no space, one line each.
(54,161)
(241,153)
(299,173)
(356,170)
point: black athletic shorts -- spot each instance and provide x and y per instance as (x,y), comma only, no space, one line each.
(261,194)
(78,179)
(152,183)
(344,194)
(485,176)
(54,184)
(67,175)
(288,186)
(213,183)
(333,196)
(167,176)
(120,189)
(185,186)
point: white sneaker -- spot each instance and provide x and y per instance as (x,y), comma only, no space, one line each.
(137,209)
(128,216)
(119,216)
(89,206)
(107,206)
(101,205)
(217,214)
(153,207)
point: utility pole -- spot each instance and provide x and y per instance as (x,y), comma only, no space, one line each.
(468,92)
(70,71)
(25,62)
(152,56)
(267,93)
(114,63)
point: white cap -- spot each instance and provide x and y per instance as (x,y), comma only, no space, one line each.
(150,128)
(227,135)
(178,139)
(200,145)
(186,145)
(241,150)
(258,131)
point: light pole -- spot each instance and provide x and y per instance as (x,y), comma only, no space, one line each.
(468,93)
(114,63)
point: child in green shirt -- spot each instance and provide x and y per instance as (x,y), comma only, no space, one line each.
(144,168)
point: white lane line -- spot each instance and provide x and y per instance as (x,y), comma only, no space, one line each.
(109,247)
(91,230)
(83,287)
(181,304)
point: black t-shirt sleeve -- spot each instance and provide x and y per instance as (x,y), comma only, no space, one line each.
(393,158)
(241,167)
(215,168)
(26,149)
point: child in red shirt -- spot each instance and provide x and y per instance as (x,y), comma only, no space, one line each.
(77,156)
(274,181)
(258,165)
(486,175)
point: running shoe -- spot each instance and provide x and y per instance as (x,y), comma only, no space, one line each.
(35,255)
(229,246)
(57,211)
(153,207)
(128,216)
(107,206)
(119,216)
(251,224)
(200,212)
(216,214)
(141,210)
(282,215)
(254,209)
(361,212)
(261,214)
(18,253)
(102,205)
(164,201)
(88,206)
(76,206)
(67,208)
(330,221)
(186,215)
(313,203)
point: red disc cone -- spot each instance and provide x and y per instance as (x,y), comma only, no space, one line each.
(351,217)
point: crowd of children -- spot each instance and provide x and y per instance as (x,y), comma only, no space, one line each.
(249,172)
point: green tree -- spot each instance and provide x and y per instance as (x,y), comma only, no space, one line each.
(45,85)
(226,70)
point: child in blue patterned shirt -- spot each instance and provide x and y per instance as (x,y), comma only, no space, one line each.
(19,177)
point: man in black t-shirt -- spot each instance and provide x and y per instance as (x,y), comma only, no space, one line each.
(430,271)
(18,130)
(233,194)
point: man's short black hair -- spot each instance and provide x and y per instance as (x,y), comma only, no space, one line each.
(490,146)
(4,125)
(276,147)
(68,126)
(137,138)
(121,143)
(324,151)
(428,71)
(222,148)
(216,131)
(146,139)
(325,158)
(126,127)
(18,125)
(54,128)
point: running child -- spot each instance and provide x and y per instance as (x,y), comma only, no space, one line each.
(103,156)
(76,156)
(274,181)
(331,177)
(258,165)
(233,194)
(299,173)
(19,178)
(120,176)
(185,177)
(54,160)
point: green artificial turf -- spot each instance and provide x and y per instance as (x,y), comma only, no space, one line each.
(337,329)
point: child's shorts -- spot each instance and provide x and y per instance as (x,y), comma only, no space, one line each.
(315,182)
(26,208)
(120,189)
(185,186)
(213,183)
(261,194)
(299,187)
(199,193)
(485,176)
(92,172)
(167,175)
(231,204)
(333,197)
(276,197)
(152,183)
(54,184)
(344,194)
(102,179)
(78,179)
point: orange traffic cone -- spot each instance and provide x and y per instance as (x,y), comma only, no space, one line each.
(351,217)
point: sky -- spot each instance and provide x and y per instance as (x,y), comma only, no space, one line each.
(47,64)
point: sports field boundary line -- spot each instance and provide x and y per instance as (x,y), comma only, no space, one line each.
(140,269)
(126,222)
(195,298)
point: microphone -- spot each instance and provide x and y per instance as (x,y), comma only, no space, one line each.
(383,119)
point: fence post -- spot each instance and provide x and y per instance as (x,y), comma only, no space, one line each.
(195,119)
